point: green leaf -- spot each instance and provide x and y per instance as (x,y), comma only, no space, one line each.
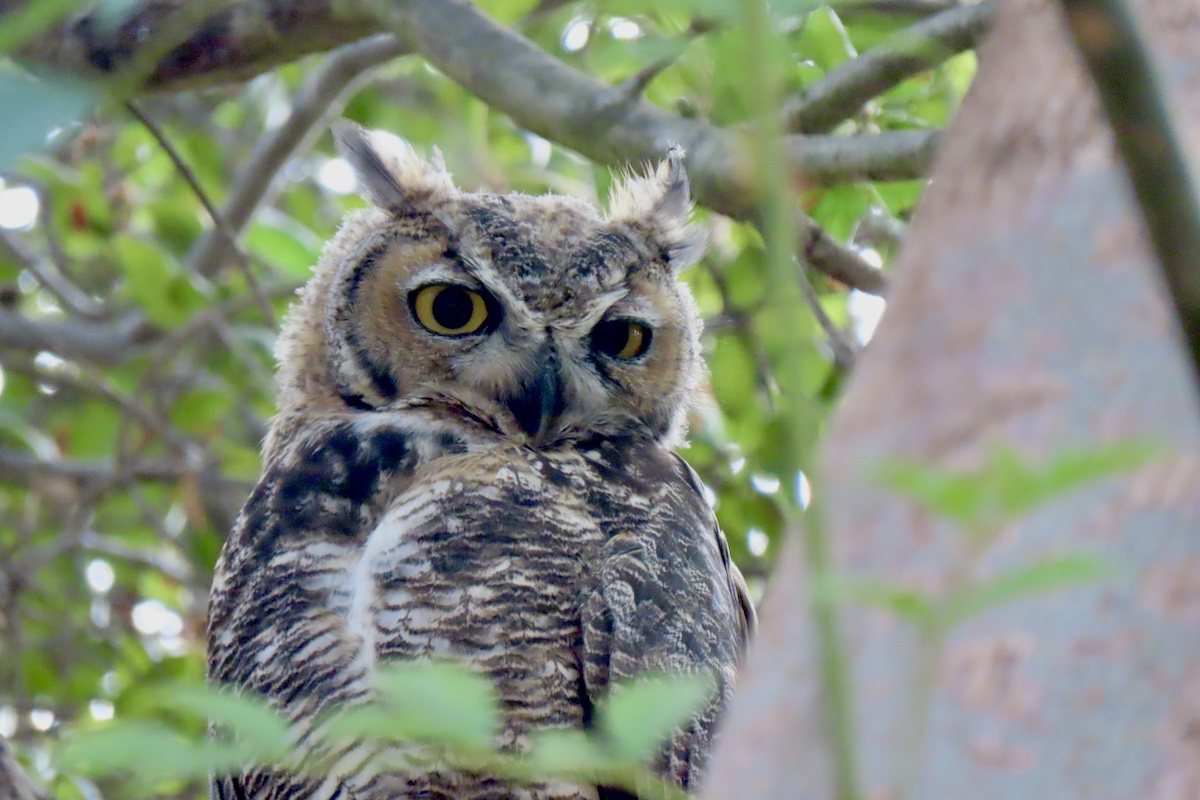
(912,604)
(637,718)
(824,41)
(285,243)
(153,281)
(1016,584)
(440,703)
(261,733)
(1008,487)
(31,107)
(567,753)
(150,749)
(31,19)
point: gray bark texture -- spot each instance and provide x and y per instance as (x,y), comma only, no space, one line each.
(1027,309)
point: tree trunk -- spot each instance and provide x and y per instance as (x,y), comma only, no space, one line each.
(1027,309)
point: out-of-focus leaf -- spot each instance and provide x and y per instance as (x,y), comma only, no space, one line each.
(32,107)
(154,281)
(638,718)
(259,731)
(1007,487)
(440,702)
(283,242)
(913,604)
(824,41)
(566,752)
(152,749)
(1022,582)
(21,24)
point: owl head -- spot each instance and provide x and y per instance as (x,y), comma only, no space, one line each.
(538,314)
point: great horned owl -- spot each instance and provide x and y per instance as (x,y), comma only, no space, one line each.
(478,399)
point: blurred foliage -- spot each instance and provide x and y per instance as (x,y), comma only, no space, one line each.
(422,711)
(106,555)
(981,504)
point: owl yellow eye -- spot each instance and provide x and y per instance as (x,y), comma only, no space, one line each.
(621,338)
(450,310)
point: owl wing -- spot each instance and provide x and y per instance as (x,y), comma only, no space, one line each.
(667,597)
(278,609)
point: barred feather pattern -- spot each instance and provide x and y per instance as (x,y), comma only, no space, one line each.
(420,532)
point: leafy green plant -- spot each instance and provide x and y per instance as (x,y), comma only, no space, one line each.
(980,504)
(440,705)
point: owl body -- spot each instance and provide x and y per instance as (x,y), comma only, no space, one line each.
(502,494)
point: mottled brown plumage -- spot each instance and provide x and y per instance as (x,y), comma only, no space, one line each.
(504,493)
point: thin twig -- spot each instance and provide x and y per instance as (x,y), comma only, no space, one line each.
(844,353)
(108,342)
(848,9)
(177,567)
(321,96)
(21,469)
(846,88)
(218,221)
(836,260)
(1106,34)
(52,279)
(743,327)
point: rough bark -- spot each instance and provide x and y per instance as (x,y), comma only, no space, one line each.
(1027,309)
(232,42)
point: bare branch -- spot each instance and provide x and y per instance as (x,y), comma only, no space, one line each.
(836,260)
(565,105)
(51,277)
(321,97)
(78,340)
(13,783)
(538,91)
(1106,34)
(23,469)
(847,9)
(846,88)
(242,39)
(844,352)
(168,563)
(890,156)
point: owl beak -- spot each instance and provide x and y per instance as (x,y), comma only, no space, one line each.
(540,399)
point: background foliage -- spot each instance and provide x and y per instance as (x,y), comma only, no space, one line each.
(136,386)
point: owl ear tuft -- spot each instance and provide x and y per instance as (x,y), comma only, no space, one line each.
(390,173)
(661,201)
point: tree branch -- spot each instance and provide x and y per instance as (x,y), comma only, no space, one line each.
(539,92)
(836,260)
(51,278)
(844,352)
(23,469)
(78,340)
(847,9)
(846,88)
(1106,34)
(600,121)
(318,99)
(890,156)
(241,40)
(13,783)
